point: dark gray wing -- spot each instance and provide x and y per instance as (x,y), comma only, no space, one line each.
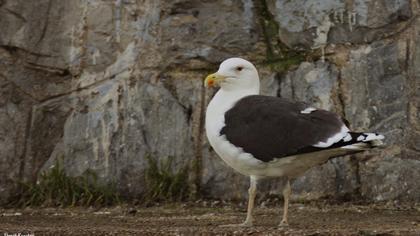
(272,127)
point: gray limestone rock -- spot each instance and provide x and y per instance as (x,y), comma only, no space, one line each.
(313,83)
(313,23)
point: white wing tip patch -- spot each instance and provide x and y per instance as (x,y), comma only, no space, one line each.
(379,136)
(308,110)
(365,137)
(375,140)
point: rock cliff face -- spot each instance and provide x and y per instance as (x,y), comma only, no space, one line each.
(101,84)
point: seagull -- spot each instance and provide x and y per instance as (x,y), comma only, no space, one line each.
(263,136)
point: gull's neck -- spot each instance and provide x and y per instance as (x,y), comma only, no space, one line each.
(225,99)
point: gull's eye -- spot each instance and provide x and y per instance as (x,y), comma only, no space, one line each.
(239,68)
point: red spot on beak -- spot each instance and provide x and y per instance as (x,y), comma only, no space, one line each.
(210,83)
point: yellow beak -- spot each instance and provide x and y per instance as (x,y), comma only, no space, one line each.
(213,80)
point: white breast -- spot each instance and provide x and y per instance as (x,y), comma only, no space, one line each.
(234,156)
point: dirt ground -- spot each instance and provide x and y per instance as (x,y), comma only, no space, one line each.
(208,218)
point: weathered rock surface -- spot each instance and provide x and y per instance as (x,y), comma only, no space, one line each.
(101,84)
(304,24)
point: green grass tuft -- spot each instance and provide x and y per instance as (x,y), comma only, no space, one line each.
(54,188)
(163,184)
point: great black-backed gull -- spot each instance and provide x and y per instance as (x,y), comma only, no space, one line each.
(263,136)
